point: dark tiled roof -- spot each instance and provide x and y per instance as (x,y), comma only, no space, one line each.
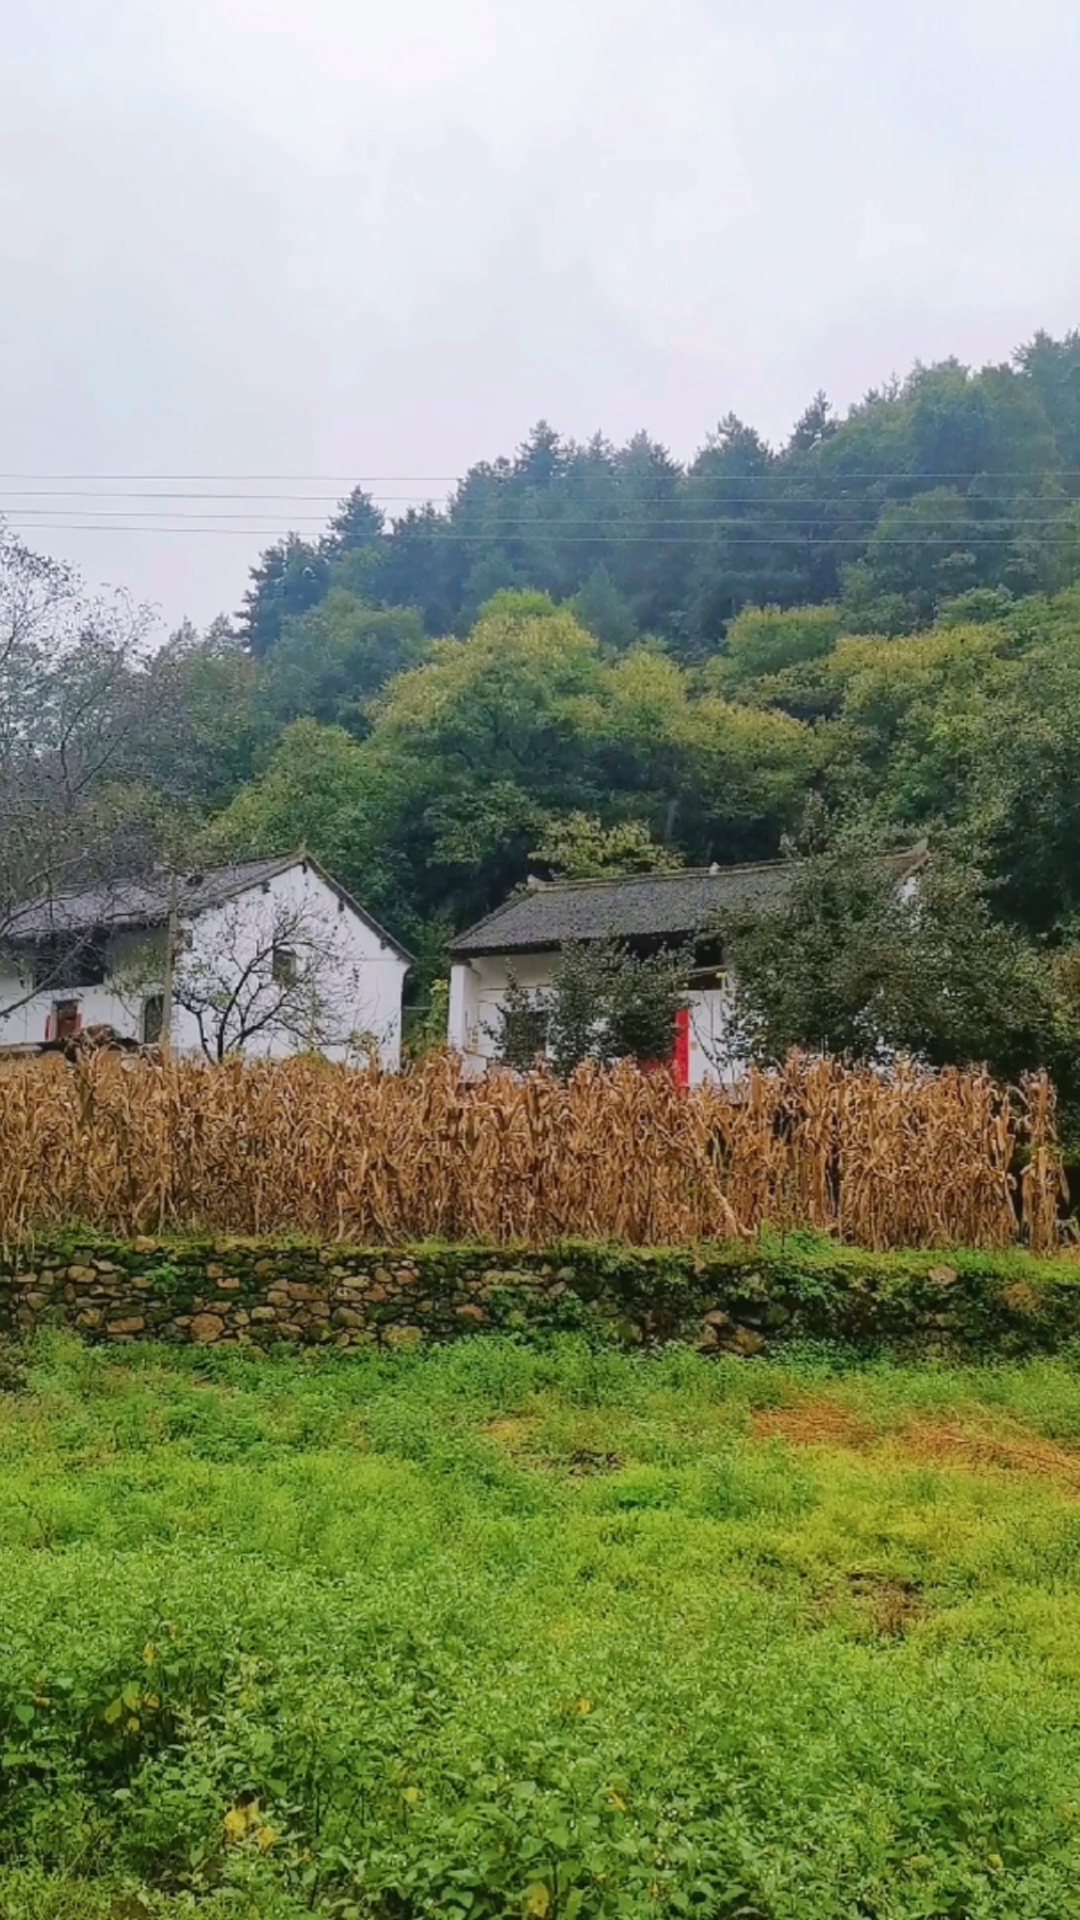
(145,902)
(140,902)
(640,905)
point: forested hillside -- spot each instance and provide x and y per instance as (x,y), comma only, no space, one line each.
(594,658)
(431,702)
(949,481)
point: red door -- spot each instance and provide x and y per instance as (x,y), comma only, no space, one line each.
(681,1060)
(64,1022)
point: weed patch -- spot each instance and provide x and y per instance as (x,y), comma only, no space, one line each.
(490,1631)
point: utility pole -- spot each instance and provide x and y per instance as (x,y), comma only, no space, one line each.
(171,937)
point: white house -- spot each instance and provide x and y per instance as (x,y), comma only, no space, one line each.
(270,958)
(521,941)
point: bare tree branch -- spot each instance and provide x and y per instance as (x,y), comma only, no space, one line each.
(71,675)
(273,969)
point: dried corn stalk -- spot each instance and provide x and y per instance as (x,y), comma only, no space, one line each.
(911,1158)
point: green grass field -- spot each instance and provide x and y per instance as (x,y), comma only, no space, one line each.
(499,1630)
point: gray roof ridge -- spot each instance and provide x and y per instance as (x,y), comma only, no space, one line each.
(662,873)
(914,852)
(711,872)
(270,864)
(273,862)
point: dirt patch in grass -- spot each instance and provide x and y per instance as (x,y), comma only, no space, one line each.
(954,1444)
(882,1604)
(513,1431)
(585,1460)
(519,1435)
(984,1450)
(894,1606)
(814,1423)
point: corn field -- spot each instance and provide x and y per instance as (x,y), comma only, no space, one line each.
(916,1159)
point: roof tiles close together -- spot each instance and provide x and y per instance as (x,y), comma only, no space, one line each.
(640,906)
(139,903)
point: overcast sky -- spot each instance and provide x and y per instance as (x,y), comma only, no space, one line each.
(268,238)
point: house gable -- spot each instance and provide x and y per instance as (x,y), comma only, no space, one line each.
(222,911)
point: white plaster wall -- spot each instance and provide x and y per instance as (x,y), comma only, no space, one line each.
(27,1025)
(361,985)
(105,1005)
(478,990)
(463,1009)
(477,993)
(711,1056)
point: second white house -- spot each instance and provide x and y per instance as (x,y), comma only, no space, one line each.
(520,942)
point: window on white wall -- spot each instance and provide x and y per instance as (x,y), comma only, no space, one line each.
(153,1019)
(715,979)
(65,962)
(283,966)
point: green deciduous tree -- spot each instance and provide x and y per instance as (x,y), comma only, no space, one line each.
(482,743)
(577,846)
(850,963)
(765,640)
(205,726)
(605,1003)
(320,789)
(329,663)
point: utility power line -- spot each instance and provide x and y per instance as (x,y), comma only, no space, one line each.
(662,528)
(805,504)
(749,538)
(489,471)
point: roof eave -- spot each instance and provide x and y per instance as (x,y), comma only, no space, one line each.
(128,923)
(125,923)
(492,950)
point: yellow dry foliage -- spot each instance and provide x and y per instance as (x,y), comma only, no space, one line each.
(912,1158)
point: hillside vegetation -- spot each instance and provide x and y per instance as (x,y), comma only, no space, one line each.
(596,659)
(877,614)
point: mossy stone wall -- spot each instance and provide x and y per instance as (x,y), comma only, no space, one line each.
(737,1299)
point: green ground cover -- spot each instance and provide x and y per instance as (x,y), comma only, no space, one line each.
(544,1631)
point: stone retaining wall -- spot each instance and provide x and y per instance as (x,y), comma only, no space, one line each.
(736,1299)
(253,1295)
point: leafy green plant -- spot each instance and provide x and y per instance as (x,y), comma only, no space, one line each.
(605,1003)
(363,1637)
